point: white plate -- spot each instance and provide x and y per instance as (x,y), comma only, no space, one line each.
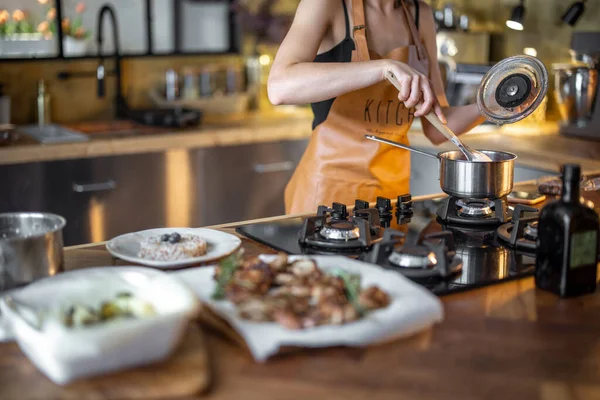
(412,309)
(219,245)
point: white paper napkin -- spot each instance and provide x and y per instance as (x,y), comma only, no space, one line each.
(411,310)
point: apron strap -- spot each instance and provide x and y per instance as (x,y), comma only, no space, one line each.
(359,31)
(414,32)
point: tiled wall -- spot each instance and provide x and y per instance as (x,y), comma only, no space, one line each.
(543,28)
(75,99)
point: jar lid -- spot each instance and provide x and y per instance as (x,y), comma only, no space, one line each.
(512,89)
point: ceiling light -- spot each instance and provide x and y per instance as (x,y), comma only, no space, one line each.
(571,16)
(516,17)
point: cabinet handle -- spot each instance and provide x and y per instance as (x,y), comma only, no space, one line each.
(94,187)
(273,167)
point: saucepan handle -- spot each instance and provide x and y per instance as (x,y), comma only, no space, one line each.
(392,143)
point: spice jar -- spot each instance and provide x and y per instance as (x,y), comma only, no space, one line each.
(190,87)
(207,79)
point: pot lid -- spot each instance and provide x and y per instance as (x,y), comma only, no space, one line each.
(512,89)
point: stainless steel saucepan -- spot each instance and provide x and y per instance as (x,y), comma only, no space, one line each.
(470,179)
(31,247)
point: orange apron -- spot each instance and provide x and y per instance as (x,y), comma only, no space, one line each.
(339,163)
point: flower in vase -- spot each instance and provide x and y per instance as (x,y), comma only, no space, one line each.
(18,16)
(51,14)
(66,24)
(80,33)
(43,27)
(80,7)
(4,16)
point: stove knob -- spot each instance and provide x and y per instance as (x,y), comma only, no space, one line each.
(361,205)
(384,207)
(404,204)
(339,211)
(404,218)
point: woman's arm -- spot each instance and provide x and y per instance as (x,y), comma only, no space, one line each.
(460,119)
(296,79)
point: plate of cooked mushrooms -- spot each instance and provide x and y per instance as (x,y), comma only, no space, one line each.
(275,301)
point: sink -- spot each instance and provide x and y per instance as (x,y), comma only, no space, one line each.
(52,133)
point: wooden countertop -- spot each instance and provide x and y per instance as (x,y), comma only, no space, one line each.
(506,341)
(537,146)
(120,138)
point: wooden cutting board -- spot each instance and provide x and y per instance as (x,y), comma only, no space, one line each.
(187,373)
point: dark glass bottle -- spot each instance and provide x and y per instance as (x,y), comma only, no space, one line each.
(567,243)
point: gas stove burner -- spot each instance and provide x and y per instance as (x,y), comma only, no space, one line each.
(474,208)
(433,258)
(333,231)
(473,211)
(522,232)
(340,230)
(413,257)
(318,232)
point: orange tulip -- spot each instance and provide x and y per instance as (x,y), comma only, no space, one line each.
(18,15)
(4,16)
(66,24)
(51,14)
(43,27)
(80,32)
(80,7)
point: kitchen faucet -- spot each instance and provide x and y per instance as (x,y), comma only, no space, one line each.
(120,104)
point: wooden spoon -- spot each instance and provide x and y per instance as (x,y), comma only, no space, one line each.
(470,154)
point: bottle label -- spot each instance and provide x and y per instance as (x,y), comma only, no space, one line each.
(584,249)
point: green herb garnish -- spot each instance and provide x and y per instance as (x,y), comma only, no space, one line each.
(352,284)
(227,267)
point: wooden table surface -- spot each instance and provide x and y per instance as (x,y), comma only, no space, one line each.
(507,341)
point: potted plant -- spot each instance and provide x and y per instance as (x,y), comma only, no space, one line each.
(18,36)
(75,36)
(15,24)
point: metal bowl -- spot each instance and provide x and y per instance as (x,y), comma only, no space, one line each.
(31,247)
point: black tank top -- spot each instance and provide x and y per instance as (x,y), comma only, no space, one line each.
(342,52)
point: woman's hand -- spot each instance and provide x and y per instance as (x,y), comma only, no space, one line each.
(415,89)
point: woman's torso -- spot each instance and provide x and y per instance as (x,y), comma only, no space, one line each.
(340,50)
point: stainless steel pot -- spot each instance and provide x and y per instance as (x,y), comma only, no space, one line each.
(470,179)
(31,247)
(575,91)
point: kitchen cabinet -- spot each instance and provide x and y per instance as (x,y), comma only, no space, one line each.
(99,197)
(108,196)
(244,182)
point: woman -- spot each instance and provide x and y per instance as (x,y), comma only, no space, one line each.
(335,56)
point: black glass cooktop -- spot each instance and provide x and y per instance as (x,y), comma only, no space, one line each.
(485,258)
